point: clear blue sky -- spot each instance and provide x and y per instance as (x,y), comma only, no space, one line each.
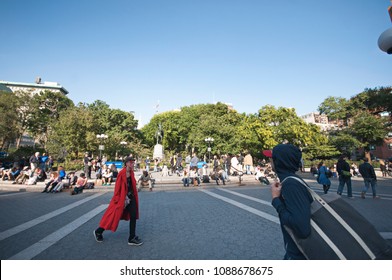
(133,53)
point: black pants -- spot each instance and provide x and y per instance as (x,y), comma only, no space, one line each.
(131,208)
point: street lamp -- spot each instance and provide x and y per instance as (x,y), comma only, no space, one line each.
(209,140)
(101,147)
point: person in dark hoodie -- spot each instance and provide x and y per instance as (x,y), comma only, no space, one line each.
(291,199)
(343,169)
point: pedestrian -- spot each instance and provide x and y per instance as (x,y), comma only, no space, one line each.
(227,163)
(343,169)
(194,160)
(216,163)
(147,162)
(50,164)
(43,161)
(124,205)
(34,161)
(87,165)
(323,177)
(248,161)
(383,168)
(291,199)
(369,177)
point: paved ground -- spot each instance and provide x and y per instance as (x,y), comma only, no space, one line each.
(176,223)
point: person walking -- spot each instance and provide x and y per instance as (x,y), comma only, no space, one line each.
(291,199)
(34,161)
(43,161)
(124,205)
(87,165)
(383,168)
(369,177)
(147,162)
(248,161)
(343,169)
(194,160)
(323,177)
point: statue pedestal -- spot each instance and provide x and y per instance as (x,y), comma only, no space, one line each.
(158,152)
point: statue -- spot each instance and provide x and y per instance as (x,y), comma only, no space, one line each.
(159,133)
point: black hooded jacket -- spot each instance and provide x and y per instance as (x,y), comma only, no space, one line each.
(293,205)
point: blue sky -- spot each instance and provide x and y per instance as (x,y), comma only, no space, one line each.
(132,54)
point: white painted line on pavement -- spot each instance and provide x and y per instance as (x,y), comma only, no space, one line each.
(243,206)
(15,230)
(53,238)
(247,197)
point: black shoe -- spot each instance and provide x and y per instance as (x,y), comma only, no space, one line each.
(98,236)
(136,241)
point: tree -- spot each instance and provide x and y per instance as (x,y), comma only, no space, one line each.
(376,102)
(72,132)
(9,125)
(118,125)
(186,129)
(45,108)
(369,130)
(336,108)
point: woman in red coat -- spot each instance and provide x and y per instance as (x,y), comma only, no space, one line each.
(123,206)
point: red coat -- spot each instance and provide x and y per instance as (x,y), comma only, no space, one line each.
(116,212)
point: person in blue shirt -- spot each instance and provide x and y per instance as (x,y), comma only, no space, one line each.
(323,177)
(291,199)
(43,161)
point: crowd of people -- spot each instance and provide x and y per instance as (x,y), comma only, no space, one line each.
(28,172)
(191,170)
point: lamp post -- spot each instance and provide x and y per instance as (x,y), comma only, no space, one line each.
(101,147)
(209,140)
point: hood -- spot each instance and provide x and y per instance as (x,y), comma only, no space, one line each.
(287,158)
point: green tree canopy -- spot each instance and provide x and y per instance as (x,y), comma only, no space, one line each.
(45,108)
(9,123)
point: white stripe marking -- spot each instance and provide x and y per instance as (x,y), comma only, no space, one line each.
(32,223)
(247,197)
(51,239)
(244,207)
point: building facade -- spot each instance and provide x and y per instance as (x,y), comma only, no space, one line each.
(34,88)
